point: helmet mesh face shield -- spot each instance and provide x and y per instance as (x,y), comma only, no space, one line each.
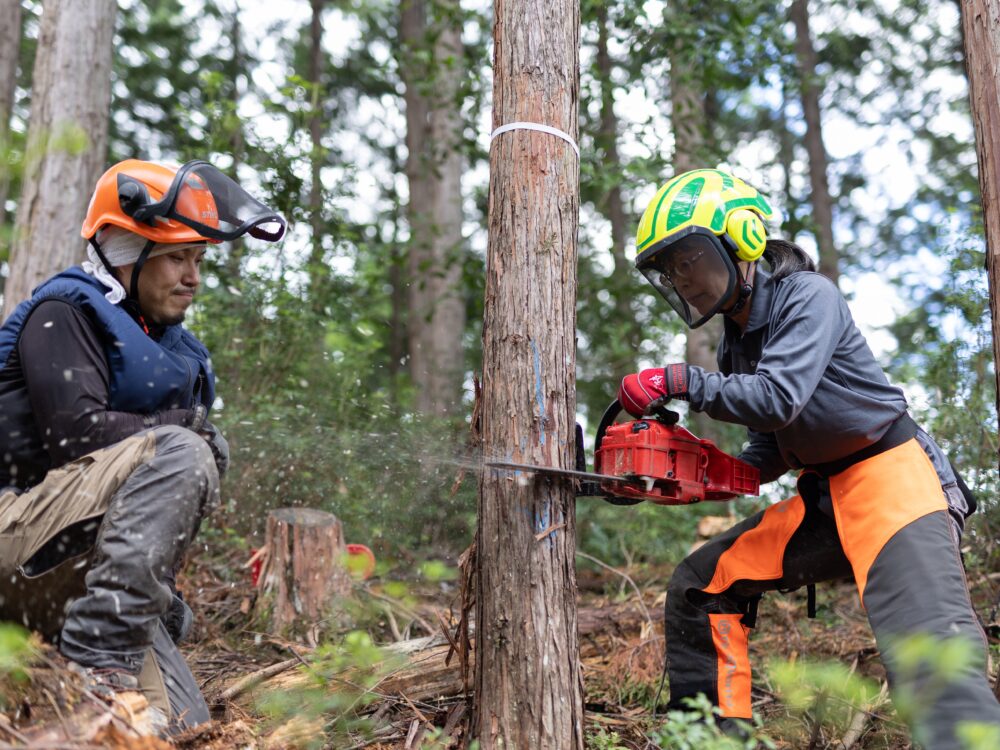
(205,199)
(693,272)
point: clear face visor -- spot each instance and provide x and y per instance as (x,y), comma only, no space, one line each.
(693,272)
(205,199)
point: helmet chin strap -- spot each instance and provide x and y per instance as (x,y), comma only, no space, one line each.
(133,290)
(100,254)
(131,302)
(746,289)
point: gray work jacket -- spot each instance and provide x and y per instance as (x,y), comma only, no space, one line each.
(801,378)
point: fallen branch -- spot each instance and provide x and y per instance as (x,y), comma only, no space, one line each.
(11,731)
(255,678)
(404,609)
(860,718)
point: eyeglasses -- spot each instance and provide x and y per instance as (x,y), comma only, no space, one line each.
(682,269)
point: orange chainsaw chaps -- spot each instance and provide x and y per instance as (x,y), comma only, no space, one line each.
(866,502)
(757,554)
(731,640)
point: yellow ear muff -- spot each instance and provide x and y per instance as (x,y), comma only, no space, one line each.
(746,229)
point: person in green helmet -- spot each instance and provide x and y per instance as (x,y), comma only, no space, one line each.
(877,499)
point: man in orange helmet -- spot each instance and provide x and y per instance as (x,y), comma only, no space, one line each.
(109,460)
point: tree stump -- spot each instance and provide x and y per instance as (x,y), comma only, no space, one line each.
(304,570)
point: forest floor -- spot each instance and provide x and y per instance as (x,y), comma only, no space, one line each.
(301,695)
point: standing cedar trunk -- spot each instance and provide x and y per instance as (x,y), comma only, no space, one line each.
(528,682)
(690,126)
(318,269)
(822,204)
(67,138)
(316,133)
(786,158)
(981,32)
(612,206)
(10,48)
(436,319)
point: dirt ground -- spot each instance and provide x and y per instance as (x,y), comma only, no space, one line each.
(316,698)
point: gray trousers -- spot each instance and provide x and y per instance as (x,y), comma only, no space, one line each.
(87,558)
(884,522)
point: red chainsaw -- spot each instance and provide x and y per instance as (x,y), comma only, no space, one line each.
(653,459)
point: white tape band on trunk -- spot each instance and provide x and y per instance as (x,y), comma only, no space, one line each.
(540,128)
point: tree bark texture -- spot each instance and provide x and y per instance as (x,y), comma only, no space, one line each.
(436,308)
(809,89)
(316,134)
(67,140)
(233,260)
(786,158)
(623,277)
(528,681)
(690,126)
(304,572)
(10,48)
(981,27)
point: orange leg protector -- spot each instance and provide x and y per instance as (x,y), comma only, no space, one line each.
(882,521)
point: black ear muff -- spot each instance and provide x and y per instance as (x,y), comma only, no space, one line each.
(132,197)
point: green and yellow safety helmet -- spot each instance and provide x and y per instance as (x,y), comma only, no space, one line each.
(694,230)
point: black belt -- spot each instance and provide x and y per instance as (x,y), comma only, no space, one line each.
(899,432)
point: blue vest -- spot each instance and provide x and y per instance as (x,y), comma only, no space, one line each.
(146,376)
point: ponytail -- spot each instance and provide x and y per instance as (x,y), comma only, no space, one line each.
(785,258)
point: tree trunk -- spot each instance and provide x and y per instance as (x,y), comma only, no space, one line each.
(822,203)
(528,681)
(10,48)
(398,300)
(304,572)
(436,309)
(67,140)
(981,30)
(233,259)
(690,126)
(623,276)
(786,158)
(315,138)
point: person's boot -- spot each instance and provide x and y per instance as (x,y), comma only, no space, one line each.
(107,684)
(104,682)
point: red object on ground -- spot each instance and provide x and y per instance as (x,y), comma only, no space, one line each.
(363,569)
(678,467)
(255,564)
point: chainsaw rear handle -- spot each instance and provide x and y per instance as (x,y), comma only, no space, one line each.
(657,409)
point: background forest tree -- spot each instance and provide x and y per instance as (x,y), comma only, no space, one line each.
(356,120)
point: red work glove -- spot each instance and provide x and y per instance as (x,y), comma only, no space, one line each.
(639,390)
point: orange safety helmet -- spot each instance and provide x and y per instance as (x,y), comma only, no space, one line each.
(125,180)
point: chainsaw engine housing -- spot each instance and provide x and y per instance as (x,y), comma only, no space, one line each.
(670,465)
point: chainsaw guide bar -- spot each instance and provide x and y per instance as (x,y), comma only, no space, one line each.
(568,473)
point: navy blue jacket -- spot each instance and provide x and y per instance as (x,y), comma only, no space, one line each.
(145,377)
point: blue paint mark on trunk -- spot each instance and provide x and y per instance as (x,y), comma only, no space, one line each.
(539,393)
(543,520)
